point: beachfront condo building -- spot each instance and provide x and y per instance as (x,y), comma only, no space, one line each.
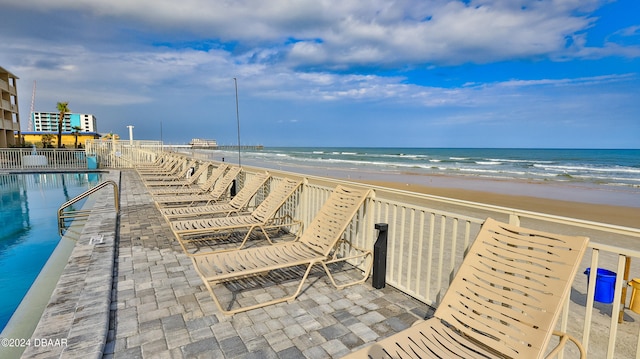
(9,115)
(48,122)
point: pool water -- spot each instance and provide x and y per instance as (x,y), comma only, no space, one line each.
(29,228)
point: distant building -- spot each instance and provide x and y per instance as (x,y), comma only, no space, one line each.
(9,114)
(50,138)
(48,121)
(202,143)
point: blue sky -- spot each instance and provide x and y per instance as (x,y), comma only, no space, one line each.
(406,73)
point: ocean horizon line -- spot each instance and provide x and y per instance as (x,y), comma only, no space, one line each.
(463,148)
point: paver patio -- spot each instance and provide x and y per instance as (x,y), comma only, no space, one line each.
(161,309)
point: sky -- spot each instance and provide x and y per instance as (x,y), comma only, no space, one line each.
(367,73)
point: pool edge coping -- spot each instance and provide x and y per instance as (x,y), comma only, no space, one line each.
(75,321)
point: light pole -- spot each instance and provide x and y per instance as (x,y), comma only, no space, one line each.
(238,120)
(130,135)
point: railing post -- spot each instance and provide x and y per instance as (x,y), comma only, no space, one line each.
(380,256)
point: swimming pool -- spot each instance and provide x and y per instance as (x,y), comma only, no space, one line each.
(29,228)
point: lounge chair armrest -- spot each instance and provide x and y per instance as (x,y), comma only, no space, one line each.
(335,254)
(563,340)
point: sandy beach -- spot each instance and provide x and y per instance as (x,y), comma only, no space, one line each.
(618,215)
(606,204)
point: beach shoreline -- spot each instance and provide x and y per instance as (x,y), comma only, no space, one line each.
(606,205)
(617,205)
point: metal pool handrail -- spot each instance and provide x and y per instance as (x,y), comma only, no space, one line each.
(62,216)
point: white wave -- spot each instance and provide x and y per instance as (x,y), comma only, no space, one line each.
(588,168)
(517,161)
(481,166)
(608,178)
(479,170)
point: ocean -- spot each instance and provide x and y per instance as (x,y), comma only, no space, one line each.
(613,170)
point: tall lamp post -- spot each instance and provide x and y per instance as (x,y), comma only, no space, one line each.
(130,135)
(238,120)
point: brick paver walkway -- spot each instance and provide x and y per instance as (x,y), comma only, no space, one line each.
(161,308)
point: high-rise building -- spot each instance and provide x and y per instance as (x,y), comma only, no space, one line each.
(9,114)
(48,122)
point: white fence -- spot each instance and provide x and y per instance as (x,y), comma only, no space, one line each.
(97,154)
(123,154)
(42,159)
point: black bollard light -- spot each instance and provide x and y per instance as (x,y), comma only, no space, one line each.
(380,256)
(233,188)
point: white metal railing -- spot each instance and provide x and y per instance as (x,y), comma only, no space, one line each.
(42,158)
(429,236)
(123,153)
(63,216)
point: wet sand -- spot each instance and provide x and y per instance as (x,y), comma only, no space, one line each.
(619,215)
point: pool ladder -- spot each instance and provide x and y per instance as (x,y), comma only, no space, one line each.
(63,216)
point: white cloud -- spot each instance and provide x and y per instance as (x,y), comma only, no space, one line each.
(343,33)
(316,54)
(307,52)
(580,81)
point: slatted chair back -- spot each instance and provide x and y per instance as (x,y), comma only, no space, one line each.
(222,185)
(203,168)
(277,197)
(167,163)
(181,174)
(508,293)
(160,159)
(216,173)
(171,162)
(178,170)
(333,218)
(251,186)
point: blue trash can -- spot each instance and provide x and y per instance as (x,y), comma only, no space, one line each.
(92,161)
(605,285)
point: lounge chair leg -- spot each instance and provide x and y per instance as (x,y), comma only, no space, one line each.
(246,238)
(288,299)
(365,274)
